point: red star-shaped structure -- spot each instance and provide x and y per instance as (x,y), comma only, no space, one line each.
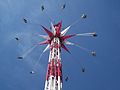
(56,32)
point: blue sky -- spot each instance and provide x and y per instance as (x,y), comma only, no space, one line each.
(102,72)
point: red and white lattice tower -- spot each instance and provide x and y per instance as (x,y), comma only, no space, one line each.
(56,40)
(54,71)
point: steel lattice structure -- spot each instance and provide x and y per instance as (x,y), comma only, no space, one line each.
(54,72)
(57,40)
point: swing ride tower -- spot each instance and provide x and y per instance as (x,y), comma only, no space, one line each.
(54,71)
(55,41)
